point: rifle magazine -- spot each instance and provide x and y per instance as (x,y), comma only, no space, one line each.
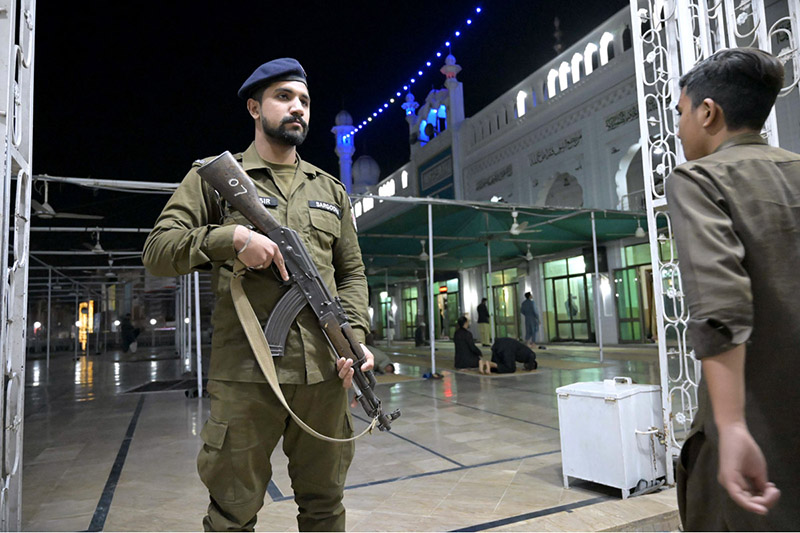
(282,317)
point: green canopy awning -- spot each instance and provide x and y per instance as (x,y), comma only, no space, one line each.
(461,231)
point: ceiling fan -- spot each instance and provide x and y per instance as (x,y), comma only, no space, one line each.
(100,272)
(516,228)
(46,211)
(528,255)
(423,255)
(97,247)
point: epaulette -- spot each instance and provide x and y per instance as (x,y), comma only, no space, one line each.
(322,173)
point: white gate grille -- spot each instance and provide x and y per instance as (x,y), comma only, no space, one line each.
(16,112)
(669,37)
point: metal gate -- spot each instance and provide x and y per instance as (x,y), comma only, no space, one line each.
(669,37)
(16,113)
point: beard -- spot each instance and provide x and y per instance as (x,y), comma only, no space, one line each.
(282,134)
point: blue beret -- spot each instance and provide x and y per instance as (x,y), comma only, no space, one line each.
(282,69)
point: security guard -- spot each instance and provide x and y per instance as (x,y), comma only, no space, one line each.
(199,231)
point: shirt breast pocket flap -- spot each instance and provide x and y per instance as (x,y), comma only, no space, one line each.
(325,221)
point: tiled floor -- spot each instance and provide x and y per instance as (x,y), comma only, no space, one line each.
(470,452)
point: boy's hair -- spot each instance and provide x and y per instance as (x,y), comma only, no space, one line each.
(744,82)
(461,321)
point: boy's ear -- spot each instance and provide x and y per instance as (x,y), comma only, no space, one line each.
(712,112)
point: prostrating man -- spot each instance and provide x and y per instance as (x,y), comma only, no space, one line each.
(735,209)
(199,231)
(507,352)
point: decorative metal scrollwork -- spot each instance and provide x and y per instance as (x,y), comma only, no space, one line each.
(670,36)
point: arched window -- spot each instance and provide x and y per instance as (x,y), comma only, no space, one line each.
(563,75)
(606,48)
(626,39)
(442,117)
(533,97)
(521,104)
(577,60)
(552,76)
(422,137)
(590,58)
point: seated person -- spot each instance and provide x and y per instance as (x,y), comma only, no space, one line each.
(421,336)
(467,354)
(507,352)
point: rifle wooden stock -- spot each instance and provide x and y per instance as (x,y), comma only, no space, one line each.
(232,182)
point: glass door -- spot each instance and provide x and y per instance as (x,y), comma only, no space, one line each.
(505,311)
(628,293)
(572,310)
(409,312)
(385,320)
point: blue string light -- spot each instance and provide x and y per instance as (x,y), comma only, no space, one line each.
(428,64)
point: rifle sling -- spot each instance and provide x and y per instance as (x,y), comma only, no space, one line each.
(260,346)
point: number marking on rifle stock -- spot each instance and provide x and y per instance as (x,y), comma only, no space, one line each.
(233,182)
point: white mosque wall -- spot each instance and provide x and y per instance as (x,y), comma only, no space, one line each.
(581,140)
(553,126)
(787,108)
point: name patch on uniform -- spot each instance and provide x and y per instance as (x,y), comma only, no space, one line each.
(325,206)
(269,201)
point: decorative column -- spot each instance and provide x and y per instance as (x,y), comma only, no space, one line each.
(410,107)
(455,89)
(343,131)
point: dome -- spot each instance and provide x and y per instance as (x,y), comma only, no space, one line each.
(366,173)
(344,119)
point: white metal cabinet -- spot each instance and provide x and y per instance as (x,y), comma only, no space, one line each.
(610,433)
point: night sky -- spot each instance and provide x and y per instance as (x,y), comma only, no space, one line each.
(131,92)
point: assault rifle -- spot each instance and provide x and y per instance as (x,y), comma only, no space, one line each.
(305,284)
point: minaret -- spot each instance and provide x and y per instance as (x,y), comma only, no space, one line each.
(345,148)
(455,90)
(410,107)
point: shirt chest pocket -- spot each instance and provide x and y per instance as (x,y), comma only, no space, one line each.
(326,222)
(325,229)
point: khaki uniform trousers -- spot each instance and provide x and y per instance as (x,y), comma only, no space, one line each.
(485,331)
(246,422)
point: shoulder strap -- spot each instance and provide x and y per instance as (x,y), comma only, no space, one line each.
(258,342)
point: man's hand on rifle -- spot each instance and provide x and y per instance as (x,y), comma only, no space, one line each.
(345,367)
(257,251)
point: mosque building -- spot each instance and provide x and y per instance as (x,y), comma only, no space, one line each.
(566,136)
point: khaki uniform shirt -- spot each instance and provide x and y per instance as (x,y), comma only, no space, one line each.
(195,232)
(736,219)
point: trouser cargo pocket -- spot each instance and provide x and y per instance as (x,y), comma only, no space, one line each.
(214,461)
